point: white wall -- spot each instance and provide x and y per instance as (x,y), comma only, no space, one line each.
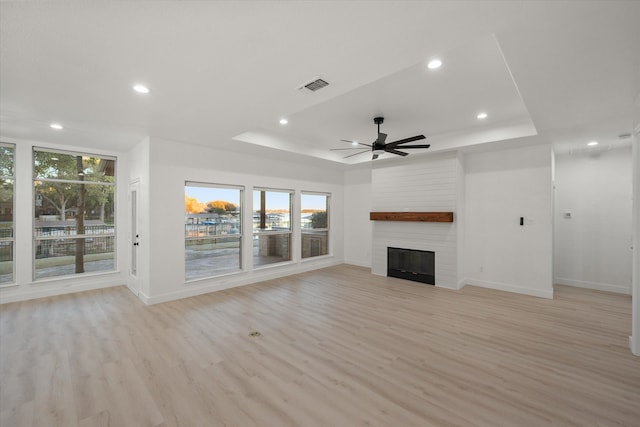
(357,226)
(501,187)
(593,247)
(25,287)
(418,184)
(172,164)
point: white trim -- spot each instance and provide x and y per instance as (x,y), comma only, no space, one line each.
(273,265)
(143,297)
(511,288)
(606,287)
(66,288)
(214,185)
(356,262)
(49,279)
(75,181)
(235,281)
(74,153)
(453,288)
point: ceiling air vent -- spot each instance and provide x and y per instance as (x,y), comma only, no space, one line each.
(314,84)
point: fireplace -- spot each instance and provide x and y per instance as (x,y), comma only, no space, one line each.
(411,264)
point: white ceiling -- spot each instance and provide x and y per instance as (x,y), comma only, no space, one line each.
(223,73)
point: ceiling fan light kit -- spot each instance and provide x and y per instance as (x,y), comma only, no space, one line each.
(379,143)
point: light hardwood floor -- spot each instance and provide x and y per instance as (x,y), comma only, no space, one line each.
(338,347)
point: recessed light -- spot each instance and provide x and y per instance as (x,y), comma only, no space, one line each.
(141,89)
(434,63)
(592,143)
(482,116)
(56,126)
(284,121)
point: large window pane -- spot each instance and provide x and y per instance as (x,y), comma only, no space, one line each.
(271,226)
(57,206)
(212,230)
(7,265)
(6,262)
(69,166)
(314,220)
(211,257)
(74,213)
(6,159)
(60,257)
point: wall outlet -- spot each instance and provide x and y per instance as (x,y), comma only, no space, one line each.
(567,215)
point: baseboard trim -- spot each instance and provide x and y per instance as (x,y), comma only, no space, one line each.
(541,293)
(229,282)
(143,297)
(607,287)
(456,287)
(357,263)
(36,293)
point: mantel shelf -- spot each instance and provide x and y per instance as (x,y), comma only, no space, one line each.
(412,216)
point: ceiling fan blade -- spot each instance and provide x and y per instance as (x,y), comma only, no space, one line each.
(355,154)
(375,156)
(358,143)
(340,149)
(382,137)
(404,141)
(404,147)
(399,153)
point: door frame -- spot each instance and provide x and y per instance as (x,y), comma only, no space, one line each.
(133,233)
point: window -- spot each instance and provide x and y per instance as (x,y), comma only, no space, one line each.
(271,226)
(7,181)
(314,220)
(212,229)
(74,213)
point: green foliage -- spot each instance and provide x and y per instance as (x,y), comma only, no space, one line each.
(319,219)
(54,167)
(6,161)
(6,190)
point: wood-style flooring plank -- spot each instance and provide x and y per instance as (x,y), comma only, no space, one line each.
(337,347)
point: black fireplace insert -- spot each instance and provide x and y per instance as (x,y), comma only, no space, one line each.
(411,264)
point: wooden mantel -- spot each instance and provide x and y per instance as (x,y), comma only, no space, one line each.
(412,216)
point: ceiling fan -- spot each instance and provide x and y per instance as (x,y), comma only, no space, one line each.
(379,143)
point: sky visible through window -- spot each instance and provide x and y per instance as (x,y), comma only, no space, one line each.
(274,200)
(208,194)
(314,202)
(277,200)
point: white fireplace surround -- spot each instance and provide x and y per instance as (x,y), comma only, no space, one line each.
(420,186)
(436,237)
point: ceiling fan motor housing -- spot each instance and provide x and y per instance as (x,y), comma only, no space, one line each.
(391,147)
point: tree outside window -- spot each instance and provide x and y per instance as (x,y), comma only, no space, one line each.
(314,220)
(74,208)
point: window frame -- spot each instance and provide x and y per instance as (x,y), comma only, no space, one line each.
(84,236)
(260,232)
(326,229)
(239,236)
(12,238)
